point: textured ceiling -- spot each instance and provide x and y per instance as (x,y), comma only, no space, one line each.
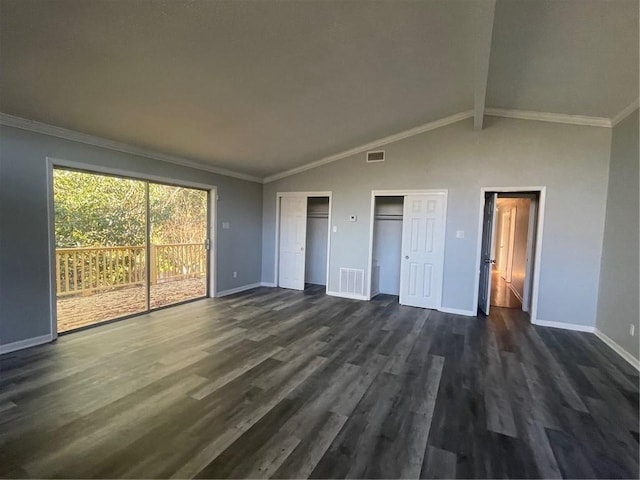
(263,86)
(577,57)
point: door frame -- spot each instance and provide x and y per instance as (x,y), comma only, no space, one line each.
(53,162)
(279,195)
(404,193)
(535,271)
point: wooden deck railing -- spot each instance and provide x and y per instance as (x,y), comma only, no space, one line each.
(89,269)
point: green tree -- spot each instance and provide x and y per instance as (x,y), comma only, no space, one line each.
(98,210)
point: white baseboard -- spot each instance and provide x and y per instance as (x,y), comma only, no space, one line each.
(243,288)
(268,284)
(457,311)
(26,343)
(618,349)
(348,295)
(566,326)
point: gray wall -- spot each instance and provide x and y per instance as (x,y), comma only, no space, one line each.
(24,261)
(571,161)
(618,296)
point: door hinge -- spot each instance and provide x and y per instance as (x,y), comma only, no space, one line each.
(207,244)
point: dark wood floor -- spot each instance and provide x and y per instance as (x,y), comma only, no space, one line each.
(276,383)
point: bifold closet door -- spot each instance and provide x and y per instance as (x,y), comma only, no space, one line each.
(293,236)
(422,259)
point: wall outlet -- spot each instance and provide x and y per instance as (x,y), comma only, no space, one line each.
(459,233)
(632,330)
(226,226)
(235,274)
(335,229)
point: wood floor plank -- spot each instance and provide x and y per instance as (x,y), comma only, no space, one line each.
(286,384)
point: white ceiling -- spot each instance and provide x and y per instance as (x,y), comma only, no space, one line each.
(260,87)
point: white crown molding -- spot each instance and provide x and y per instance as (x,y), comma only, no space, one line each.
(375,144)
(550,117)
(625,112)
(46,129)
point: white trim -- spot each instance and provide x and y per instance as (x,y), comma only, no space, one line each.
(243,288)
(26,343)
(624,113)
(531,228)
(457,311)
(550,117)
(213,241)
(46,129)
(538,244)
(51,237)
(279,195)
(351,296)
(402,193)
(565,326)
(373,145)
(268,284)
(635,363)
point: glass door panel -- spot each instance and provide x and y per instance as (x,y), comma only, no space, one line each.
(177,250)
(100,238)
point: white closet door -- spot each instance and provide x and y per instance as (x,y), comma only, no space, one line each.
(293,236)
(487,260)
(422,262)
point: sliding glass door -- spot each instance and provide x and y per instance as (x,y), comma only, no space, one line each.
(178,232)
(125,246)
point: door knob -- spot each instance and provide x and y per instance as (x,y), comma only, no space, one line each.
(406,257)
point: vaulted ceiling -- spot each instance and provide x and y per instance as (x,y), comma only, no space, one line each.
(260,87)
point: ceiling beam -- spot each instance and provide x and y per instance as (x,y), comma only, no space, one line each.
(482,31)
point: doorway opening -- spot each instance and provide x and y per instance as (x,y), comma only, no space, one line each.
(510,245)
(387,245)
(406,250)
(125,246)
(317,240)
(303,239)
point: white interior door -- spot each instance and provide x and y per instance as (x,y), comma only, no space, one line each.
(487,252)
(422,260)
(293,237)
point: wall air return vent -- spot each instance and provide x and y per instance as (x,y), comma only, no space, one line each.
(352,281)
(375,156)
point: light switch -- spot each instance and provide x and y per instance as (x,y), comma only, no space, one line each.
(225,225)
(459,233)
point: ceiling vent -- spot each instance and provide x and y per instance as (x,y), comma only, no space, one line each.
(375,156)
